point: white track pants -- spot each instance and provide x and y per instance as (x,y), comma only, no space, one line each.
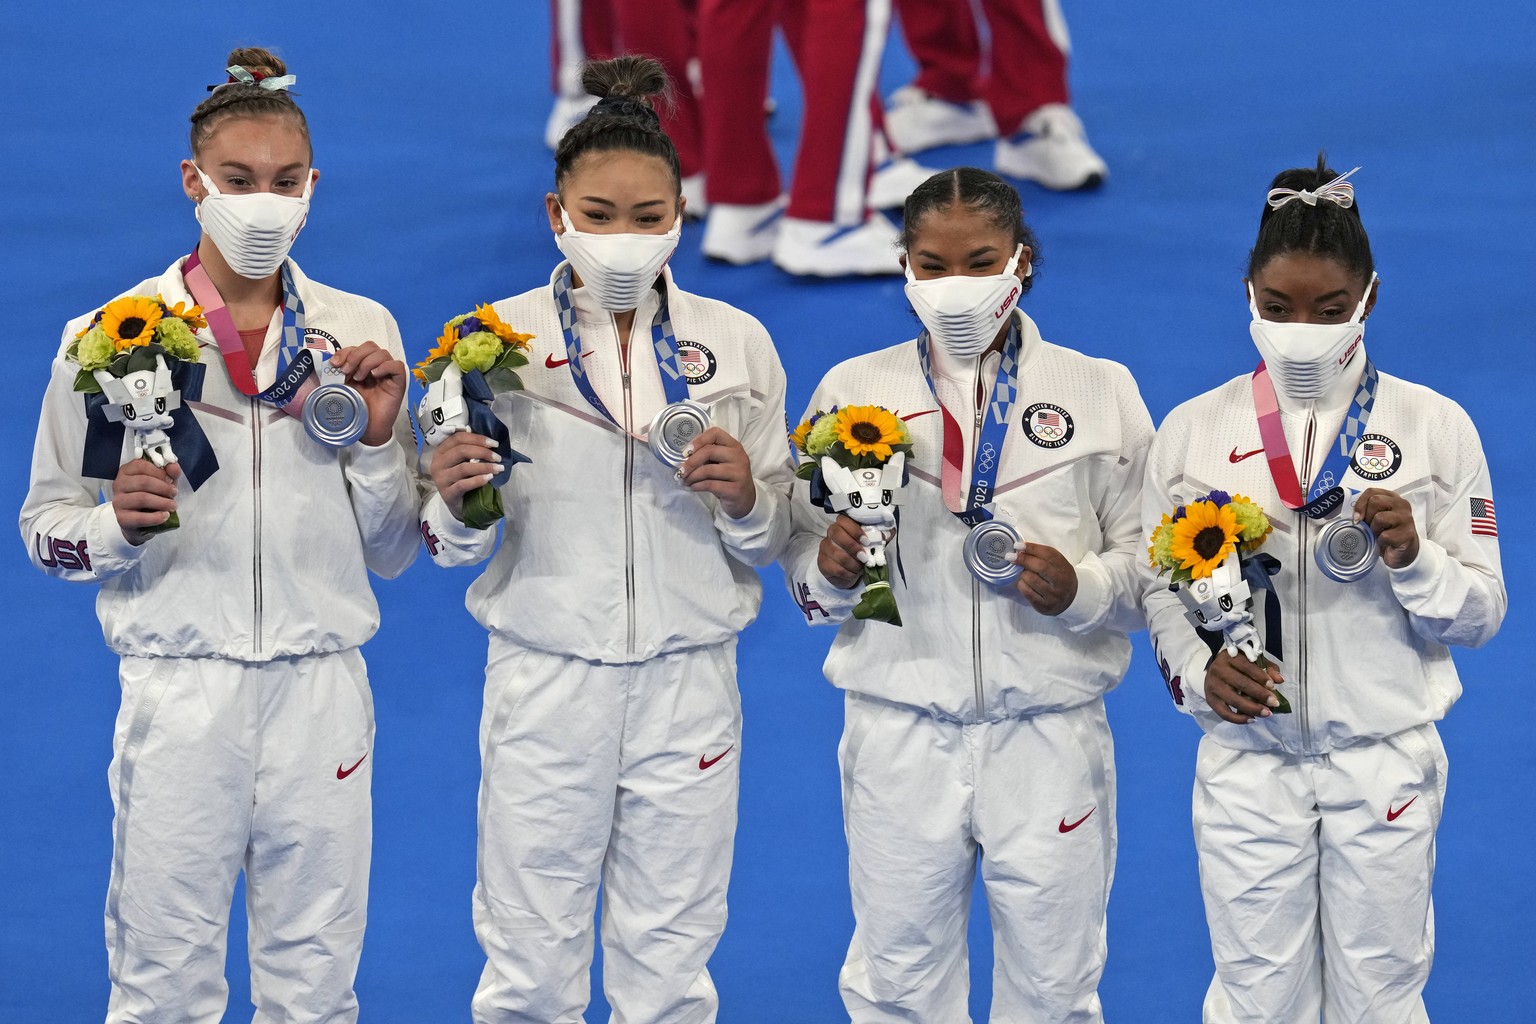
(222,765)
(1316,875)
(619,774)
(1035,798)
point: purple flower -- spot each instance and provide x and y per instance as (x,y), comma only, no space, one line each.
(1219,498)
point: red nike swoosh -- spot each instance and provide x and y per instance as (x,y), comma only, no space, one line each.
(551,362)
(1235,458)
(915,415)
(706,763)
(1064,828)
(342,773)
(1392,815)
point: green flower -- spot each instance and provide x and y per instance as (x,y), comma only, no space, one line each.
(823,435)
(1161,551)
(478,351)
(1253,526)
(177,339)
(95,350)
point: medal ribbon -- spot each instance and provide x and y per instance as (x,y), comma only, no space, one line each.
(971,508)
(296,363)
(663,343)
(1326,492)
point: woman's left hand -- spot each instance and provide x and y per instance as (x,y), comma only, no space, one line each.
(380,379)
(1390,518)
(1048,582)
(718,464)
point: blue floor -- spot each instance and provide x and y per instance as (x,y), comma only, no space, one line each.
(427,128)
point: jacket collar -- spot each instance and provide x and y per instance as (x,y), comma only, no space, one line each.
(173,288)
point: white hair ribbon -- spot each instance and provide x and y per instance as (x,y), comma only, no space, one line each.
(1338,191)
(272,83)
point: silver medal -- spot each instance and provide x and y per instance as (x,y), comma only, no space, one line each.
(675,428)
(334,413)
(1346,550)
(989,552)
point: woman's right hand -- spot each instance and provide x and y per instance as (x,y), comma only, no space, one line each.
(462,463)
(1239,690)
(839,558)
(143,497)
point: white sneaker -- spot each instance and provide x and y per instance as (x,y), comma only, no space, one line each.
(916,121)
(817,249)
(894,180)
(742,234)
(693,191)
(565,113)
(1051,149)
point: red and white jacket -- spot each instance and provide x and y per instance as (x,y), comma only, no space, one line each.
(1362,660)
(272,556)
(604,555)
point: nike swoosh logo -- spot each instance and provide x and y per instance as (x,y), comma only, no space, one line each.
(1064,828)
(915,415)
(1393,815)
(706,763)
(342,773)
(1235,458)
(551,362)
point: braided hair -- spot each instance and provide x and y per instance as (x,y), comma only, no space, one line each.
(1326,229)
(978,190)
(243,99)
(624,117)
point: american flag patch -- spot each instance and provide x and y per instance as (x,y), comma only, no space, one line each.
(1373,449)
(1047,418)
(1484,523)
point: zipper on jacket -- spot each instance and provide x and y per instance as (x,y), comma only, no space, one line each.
(981,706)
(256,594)
(629,494)
(1303,534)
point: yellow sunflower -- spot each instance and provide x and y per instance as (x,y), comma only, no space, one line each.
(130,321)
(493,323)
(868,430)
(1206,535)
(444,347)
(192,316)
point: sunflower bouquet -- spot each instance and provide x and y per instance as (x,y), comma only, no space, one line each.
(126,354)
(856,463)
(476,358)
(1208,548)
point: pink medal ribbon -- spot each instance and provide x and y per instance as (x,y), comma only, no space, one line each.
(297,360)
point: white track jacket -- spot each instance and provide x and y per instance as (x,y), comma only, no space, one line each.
(968,651)
(1363,660)
(604,555)
(272,556)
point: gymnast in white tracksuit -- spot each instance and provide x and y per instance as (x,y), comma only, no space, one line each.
(976,729)
(1316,829)
(610,739)
(246,723)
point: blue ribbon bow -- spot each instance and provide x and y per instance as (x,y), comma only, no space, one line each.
(104,439)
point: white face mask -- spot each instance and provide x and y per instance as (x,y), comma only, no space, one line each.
(962,313)
(1305,360)
(253,230)
(617,269)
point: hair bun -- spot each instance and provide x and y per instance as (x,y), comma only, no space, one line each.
(633,77)
(260,62)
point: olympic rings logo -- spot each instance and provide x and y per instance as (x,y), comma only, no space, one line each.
(1374,463)
(986,458)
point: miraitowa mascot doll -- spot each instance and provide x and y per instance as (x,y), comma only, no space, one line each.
(867,496)
(142,398)
(442,411)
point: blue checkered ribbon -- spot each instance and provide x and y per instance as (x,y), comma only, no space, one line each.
(1327,491)
(663,344)
(987,457)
